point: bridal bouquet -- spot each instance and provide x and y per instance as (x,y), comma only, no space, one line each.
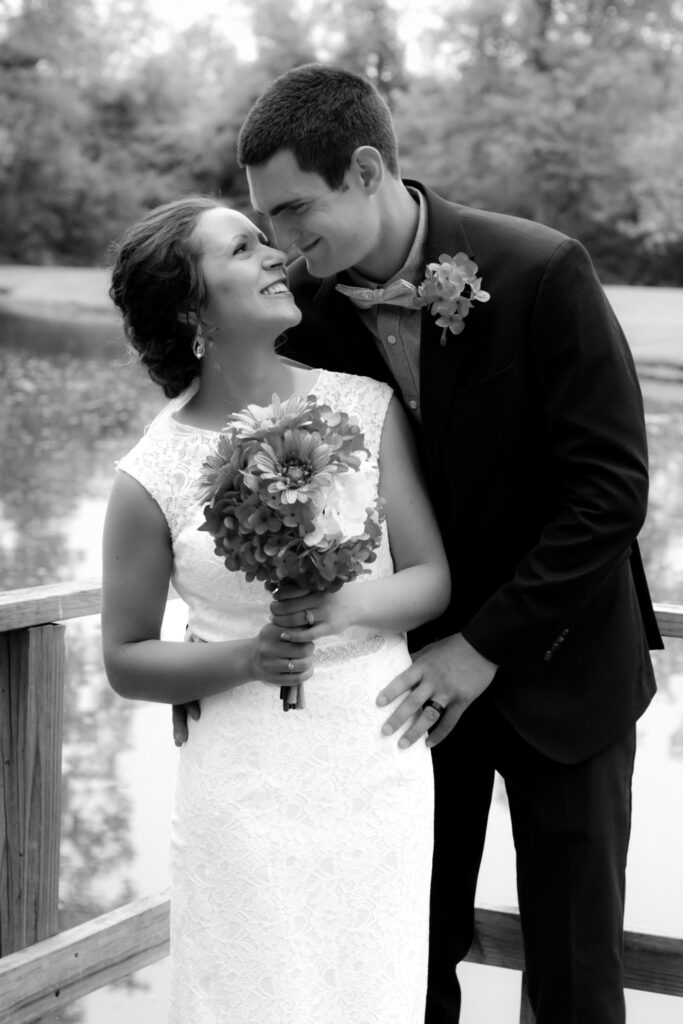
(291,498)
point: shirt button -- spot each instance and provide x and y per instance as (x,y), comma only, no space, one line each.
(392,339)
(412,403)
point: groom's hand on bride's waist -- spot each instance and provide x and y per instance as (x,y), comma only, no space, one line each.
(442,682)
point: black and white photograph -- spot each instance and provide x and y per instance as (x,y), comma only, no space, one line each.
(341,542)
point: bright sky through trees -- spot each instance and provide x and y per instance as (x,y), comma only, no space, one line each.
(233,19)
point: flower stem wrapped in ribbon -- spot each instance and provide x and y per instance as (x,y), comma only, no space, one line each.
(292,498)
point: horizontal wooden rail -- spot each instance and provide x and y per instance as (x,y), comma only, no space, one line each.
(59,970)
(34,606)
(57,602)
(670,619)
(48,975)
(652,963)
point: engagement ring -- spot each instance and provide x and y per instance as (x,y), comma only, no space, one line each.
(310,617)
(290,666)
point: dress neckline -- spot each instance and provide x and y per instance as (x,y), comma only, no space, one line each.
(181,401)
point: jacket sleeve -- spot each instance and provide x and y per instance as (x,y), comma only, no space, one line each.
(585,389)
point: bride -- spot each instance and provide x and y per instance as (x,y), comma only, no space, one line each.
(301,842)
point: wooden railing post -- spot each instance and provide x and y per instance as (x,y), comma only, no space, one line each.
(31,712)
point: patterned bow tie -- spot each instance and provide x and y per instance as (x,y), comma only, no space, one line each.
(398,293)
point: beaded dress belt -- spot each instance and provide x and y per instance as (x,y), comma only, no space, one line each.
(329,655)
(345,652)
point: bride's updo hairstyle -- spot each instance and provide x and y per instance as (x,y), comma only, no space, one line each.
(158,286)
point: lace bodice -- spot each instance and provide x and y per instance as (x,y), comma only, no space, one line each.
(167,461)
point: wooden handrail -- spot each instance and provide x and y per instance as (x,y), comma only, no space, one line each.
(47,975)
(54,602)
(670,619)
(652,963)
(59,970)
(58,602)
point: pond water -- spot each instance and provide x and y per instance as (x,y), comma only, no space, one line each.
(71,402)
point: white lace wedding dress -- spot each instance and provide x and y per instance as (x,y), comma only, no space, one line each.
(302,841)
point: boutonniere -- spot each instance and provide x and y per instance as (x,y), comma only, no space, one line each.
(450,289)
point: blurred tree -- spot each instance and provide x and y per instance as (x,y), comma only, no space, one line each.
(361,36)
(282,33)
(46,181)
(545,33)
(162,116)
(87,143)
(566,111)
(653,153)
(57,201)
(539,111)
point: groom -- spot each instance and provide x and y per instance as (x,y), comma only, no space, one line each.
(530,425)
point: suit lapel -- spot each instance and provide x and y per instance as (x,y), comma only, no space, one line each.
(441,365)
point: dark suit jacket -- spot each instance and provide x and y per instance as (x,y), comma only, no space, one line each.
(533,444)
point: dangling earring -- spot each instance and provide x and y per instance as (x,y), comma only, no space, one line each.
(198,345)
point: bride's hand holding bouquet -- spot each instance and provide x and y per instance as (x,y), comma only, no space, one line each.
(308,616)
(273,654)
(292,501)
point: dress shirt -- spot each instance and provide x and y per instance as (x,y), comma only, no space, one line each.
(396,330)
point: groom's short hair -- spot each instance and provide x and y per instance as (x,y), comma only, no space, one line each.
(322,114)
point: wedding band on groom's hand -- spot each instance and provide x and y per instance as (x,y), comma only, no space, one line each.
(439,708)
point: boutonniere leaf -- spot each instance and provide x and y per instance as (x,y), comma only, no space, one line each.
(450,289)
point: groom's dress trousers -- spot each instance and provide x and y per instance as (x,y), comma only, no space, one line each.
(532,439)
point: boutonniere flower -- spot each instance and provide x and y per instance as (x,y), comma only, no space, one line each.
(450,289)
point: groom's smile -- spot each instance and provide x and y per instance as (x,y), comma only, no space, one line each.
(331,228)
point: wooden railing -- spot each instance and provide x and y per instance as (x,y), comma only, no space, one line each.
(41,971)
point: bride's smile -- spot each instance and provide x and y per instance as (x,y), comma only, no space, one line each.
(244,278)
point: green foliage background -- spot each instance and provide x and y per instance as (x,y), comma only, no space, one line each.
(566,111)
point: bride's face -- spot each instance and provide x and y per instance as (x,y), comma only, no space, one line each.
(244,277)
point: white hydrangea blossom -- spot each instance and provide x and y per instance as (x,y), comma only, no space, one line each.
(346,504)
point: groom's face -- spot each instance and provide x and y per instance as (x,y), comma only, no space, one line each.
(333,229)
